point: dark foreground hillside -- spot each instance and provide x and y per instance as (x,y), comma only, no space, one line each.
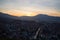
(29,30)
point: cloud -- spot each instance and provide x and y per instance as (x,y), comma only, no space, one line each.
(38,4)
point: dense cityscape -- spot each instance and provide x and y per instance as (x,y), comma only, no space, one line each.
(29,30)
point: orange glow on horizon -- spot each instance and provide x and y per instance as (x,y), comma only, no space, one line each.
(28,13)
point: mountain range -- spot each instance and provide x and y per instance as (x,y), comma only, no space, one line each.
(38,18)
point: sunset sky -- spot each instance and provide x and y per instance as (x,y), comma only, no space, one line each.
(30,7)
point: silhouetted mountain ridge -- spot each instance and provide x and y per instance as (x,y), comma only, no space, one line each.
(6,17)
(43,17)
(39,18)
